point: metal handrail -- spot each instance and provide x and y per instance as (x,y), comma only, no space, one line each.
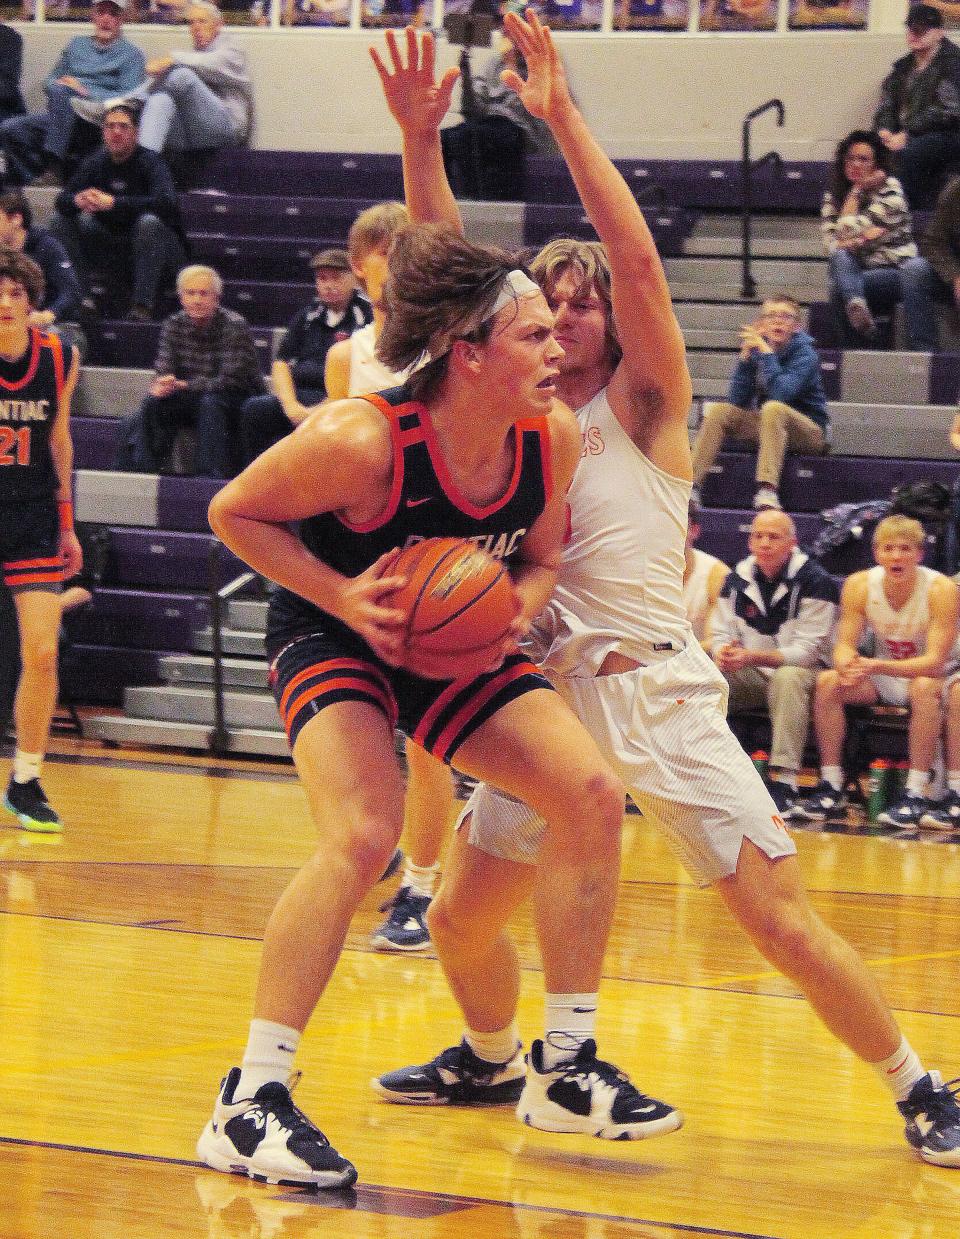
(748,285)
(218,738)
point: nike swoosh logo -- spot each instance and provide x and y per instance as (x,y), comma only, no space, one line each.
(415,503)
(584,1010)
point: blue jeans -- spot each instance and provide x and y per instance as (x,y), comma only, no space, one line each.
(149,435)
(922,289)
(263,421)
(25,140)
(145,257)
(879,287)
(181,113)
(923,163)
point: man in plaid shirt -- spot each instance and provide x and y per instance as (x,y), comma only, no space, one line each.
(206,368)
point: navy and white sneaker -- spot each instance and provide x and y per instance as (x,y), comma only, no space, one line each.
(933,1119)
(824,804)
(268,1139)
(457,1077)
(905,812)
(405,929)
(943,816)
(782,795)
(590,1096)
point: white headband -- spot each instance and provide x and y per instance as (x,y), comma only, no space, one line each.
(514,285)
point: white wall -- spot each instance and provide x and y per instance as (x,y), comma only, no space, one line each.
(654,96)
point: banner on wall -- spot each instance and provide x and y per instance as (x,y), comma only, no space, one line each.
(381,13)
(829,14)
(557,14)
(741,16)
(315,12)
(650,14)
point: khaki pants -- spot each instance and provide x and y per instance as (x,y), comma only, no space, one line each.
(786,695)
(775,426)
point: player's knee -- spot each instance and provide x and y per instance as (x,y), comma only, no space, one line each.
(40,657)
(595,818)
(785,935)
(367,844)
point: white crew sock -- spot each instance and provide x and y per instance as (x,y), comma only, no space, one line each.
(422,880)
(569,1021)
(26,766)
(834,776)
(917,781)
(494,1047)
(953,781)
(268,1056)
(901,1070)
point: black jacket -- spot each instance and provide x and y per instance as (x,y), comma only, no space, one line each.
(928,103)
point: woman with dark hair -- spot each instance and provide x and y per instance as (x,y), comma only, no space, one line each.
(867,233)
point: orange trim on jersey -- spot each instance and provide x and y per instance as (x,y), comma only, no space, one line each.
(392,413)
(456,497)
(332,664)
(21,565)
(51,577)
(35,341)
(363,686)
(56,348)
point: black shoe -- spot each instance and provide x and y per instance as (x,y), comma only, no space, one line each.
(405,929)
(456,1077)
(29,805)
(933,1120)
(824,804)
(268,1139)
(782,795)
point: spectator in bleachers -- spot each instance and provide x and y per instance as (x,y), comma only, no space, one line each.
(338,311)
(119,214)
(703,577)
(193,100)
(918,119)
(11,65)
(485,155)
(912,614)
(868,235)
(935,276)
(776,399)
(206,368)
(90,68)
(770,634)
(61,297)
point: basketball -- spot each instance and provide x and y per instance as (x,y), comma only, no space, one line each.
(460,603)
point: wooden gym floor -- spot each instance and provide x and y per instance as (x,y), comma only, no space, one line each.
(128,950)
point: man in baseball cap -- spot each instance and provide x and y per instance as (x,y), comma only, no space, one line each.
(297,375)
(919,115)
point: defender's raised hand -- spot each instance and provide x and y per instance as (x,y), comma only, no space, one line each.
(545,91)
(416,100)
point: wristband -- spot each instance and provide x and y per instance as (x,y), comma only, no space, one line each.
(65,511)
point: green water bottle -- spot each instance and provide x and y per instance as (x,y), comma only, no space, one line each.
(761,760)
(878,787)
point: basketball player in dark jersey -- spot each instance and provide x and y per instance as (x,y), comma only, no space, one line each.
(38,547)
(476,445)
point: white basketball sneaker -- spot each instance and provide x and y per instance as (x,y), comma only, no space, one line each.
(268,1139)
(590,1096)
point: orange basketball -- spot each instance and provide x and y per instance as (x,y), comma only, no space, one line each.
(460,603)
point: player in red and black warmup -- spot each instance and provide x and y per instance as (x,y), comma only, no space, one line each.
(477,445)
(38,547)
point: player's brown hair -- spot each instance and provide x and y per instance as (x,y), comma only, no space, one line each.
(375,227)
(587,262)
(24,271)
(441,288)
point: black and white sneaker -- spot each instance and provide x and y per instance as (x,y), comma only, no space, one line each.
(906,812)
(943,816)
(824,804)
(405,929)
(268,1139)
(457,1077)
(590,1096)
(782,795)
(933,1119)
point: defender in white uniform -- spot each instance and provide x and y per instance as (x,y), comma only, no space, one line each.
(703,578)
(912,614)
(619,647)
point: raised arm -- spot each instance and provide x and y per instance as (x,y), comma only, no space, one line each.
(653,348)
(418,103)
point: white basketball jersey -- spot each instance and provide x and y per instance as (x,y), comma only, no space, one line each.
(903,633)
(367,371)
(696,596)
(620,586)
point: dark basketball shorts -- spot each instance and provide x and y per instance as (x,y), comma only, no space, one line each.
(30,547)
(318,670)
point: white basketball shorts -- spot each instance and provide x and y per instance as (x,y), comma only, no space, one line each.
(663,729)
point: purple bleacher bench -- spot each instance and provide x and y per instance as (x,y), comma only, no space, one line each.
(945,378)
(98,674)
(166,559)
(182,503)
(146,619)
(310,173)
(95,441)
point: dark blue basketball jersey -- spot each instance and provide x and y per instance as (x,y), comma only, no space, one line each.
(423,503)
(30,391)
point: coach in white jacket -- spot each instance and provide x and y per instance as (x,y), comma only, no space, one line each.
(771,633)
